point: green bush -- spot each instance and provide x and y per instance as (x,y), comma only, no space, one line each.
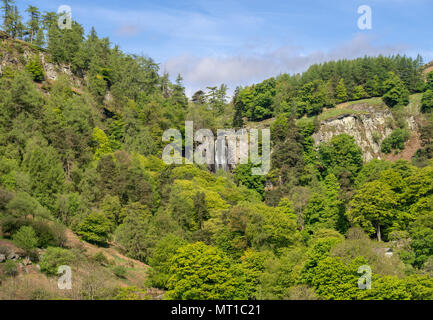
(395,141)
(11,225)
(95,229)
(34,67)
(10,268)
(47,233)
(26,238)
(54,258)
(396,93)
(100,258)
(33,256)
(427,101)
(120,272)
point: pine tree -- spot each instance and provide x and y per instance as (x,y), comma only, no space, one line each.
(199,97)
(33,25)
(359,93)
(396,92)
(8,13)
(49,19)
(40,38)
(178,93)
(341,92)
(238,121)
(19,27)
(373,87)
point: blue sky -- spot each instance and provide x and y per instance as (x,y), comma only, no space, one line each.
(246,41)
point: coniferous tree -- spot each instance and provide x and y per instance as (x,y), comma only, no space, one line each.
(396,92)
(199,97)
(341,92)
(33,25)
(8,15)
(373,86)
(17,24)
(200,208)
(49,19)
(359,93)
(178,93)
(238,121)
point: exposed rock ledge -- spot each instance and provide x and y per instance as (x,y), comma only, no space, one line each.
(369,125)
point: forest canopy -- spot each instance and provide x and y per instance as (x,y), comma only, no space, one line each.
(82,152)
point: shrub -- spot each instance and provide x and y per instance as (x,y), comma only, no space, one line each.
(44,233)
(120,272)
(59,233)
(23,205)
(100,258)
(10,268)
(34,67)
(54,258)
(95,228)
(47,234)
(33,256)
(11,225)
(427,101)
(26,239)
(395,141)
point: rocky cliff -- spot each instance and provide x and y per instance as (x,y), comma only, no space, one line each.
(369,124)
(16,54)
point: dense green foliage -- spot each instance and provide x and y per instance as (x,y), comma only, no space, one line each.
(84,152)
(26,238)
(395,141)
(54,258)
(322,86)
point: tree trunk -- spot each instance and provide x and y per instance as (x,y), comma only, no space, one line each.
(379,236)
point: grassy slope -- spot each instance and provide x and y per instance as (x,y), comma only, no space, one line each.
(32,284)
(413,109)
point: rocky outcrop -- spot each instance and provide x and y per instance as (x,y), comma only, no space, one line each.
(368,124)
(13,256)
(16,54)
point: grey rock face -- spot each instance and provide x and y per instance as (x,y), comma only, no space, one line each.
(369,125)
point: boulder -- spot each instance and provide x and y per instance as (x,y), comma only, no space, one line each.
(2,258)
(13,256)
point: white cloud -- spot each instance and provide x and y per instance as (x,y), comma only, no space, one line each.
(245,69)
